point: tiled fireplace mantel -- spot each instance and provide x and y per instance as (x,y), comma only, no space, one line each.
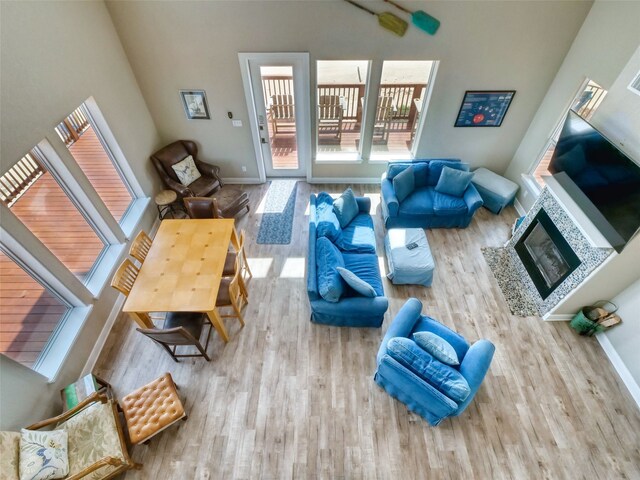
(586,242)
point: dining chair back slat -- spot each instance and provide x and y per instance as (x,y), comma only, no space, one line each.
(125,277)
(140,246)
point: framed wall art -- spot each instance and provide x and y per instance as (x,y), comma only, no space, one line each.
(195,104)
(484,108)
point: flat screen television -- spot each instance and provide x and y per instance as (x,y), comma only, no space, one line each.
(600,178)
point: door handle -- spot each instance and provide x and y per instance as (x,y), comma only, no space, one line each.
(262,140)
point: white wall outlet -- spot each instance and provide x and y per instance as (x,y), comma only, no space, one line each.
(236,123)
(244,169)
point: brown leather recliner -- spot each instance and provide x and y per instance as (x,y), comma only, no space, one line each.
(177,151)
(230,200)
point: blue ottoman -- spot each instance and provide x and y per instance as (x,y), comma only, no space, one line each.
(497,192)
(408,267)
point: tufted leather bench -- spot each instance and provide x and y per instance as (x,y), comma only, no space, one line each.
(152,408)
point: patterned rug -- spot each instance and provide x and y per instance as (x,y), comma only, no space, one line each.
(520,302)
(277,216)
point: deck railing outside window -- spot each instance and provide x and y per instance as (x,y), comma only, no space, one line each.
(19,178)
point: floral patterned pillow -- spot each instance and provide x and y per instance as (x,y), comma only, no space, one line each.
(43,455)
(186,171)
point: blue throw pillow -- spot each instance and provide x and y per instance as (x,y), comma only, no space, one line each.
(355,282)
(328,259)
(444,378)
(346,208)
(327,224)
(404,183)
(437,346)
(453,182)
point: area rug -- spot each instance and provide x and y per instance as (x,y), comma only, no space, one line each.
(277,210)
(518,298)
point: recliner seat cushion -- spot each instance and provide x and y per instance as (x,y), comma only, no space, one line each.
(444,378)
(359,236)
(419,203)
(445,205)
(365,266)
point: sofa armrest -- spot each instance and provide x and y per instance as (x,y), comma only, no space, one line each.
(475,366)
(472,198)
(389,197)
(364,204)
(402,324)
(209,170)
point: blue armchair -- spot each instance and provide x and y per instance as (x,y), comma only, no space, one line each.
(417,393)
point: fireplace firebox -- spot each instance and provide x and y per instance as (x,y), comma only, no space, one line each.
(545,254)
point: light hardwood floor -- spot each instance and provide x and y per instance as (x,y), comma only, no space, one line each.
(286,398)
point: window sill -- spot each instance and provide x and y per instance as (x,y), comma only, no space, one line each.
(133,216)
(391,157)
(530,184)
(344,158)
(57,349)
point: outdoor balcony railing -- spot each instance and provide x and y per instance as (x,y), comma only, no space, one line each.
(403,96)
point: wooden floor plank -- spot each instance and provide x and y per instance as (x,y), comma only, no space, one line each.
(286,398)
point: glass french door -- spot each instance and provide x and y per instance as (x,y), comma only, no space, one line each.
(278,86)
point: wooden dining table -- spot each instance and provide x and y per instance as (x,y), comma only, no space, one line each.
(183,270)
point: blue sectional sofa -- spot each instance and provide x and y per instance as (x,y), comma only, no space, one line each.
(356,243)
(426,386)
(424,207)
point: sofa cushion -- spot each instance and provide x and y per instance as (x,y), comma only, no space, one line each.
(359,236)
(404,183)
(328,258)
(436,166)
(446,205)
(346,207)
(437,346)
(420,202)
(366,267)
(327,223)
(43,454)
(444,378)
(355,282)
(453,182)
(186,171)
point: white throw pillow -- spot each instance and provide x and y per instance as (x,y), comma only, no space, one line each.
(43,455)
(186,171)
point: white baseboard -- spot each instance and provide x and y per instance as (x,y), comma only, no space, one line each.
(519,207)
(620,367)
(374,180)
(557,317)
(241,181)
(104,334)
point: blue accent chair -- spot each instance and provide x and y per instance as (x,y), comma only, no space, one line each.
(357,244)
(424,207)
(417,393)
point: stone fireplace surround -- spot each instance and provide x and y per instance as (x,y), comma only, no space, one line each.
(590,256)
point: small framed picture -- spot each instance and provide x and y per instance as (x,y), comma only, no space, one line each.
(195,104)
(483,108)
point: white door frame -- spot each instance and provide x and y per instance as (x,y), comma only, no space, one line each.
(301,91)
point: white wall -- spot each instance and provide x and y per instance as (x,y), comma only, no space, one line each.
(625,337)
(481,45)
(54,55)
(609,36)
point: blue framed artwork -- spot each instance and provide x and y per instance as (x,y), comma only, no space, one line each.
(484,108)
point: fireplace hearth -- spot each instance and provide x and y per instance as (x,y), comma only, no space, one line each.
(545,254)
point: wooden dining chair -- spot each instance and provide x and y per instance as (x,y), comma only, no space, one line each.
(201,207)
(140,246)
(245,271)
(125,276)
(230,294)
(181,329)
